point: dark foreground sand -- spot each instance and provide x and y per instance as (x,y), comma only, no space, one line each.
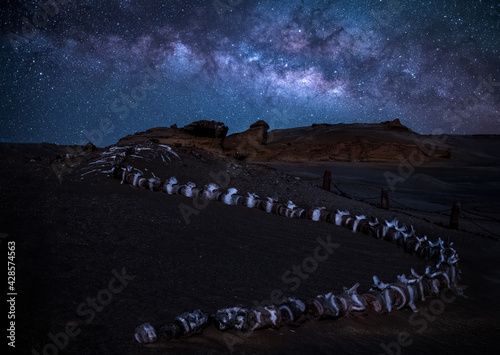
(72,239)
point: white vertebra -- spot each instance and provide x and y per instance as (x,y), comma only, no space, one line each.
(356,222)
(251,199)
(338,216)
(171,182)
(227,197)
(317,213)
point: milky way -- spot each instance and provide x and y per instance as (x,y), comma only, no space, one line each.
(74,71)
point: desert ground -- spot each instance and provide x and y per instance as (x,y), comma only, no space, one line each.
(84,237)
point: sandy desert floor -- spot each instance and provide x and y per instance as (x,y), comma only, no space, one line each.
(73,239)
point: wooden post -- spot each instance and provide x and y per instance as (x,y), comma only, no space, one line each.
(384,199)
(455,215)
(327,177)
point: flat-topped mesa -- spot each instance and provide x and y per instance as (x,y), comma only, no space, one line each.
(248,144)
(201,134)
(394,125)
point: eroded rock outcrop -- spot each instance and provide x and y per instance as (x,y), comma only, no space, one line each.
(199,134)
(248,144)
(208,129)
(389,141)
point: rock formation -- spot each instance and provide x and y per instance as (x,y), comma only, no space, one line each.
(388,141)
(208,129)
(364,142)
(202,134)
(247,144)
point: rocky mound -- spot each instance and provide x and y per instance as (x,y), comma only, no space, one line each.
(384,142)
(200,134)
(208,129)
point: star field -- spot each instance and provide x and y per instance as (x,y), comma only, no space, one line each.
(74,71)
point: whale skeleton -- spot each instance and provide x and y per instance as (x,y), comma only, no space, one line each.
(382,297)
(392,230)
(389,230)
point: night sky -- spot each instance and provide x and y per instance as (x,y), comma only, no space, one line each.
(99,70)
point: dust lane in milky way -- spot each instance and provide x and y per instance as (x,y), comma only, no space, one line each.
(74,71)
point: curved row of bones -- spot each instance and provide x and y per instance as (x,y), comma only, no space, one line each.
(380,298)
(401,235)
